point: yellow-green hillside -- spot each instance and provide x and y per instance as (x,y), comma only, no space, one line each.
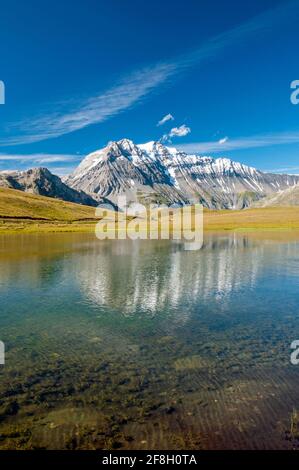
(21,211)
(15,203)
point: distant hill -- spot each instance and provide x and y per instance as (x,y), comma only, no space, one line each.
(16,204)
(41,181)
(288,197)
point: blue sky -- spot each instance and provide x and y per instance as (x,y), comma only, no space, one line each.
(80,73)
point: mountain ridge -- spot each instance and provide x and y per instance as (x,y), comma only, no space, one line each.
(164,174)
(153,173)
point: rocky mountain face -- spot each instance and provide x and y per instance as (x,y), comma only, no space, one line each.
(124,168)
(162,174)
(41,181)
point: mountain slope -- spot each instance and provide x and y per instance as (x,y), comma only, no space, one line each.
(158,173)
(288,197)
(16,204)
(42,182)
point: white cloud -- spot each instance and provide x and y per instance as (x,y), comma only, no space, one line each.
(222,141)
(39,158)
(176,132)
(261,140)
(166,118)
(179,131)
(135,87)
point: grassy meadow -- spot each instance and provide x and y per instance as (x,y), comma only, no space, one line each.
(23,212)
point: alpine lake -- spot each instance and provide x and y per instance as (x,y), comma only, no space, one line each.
(144,345)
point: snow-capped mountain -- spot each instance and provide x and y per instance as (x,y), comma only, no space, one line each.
(123,167)
(158,173)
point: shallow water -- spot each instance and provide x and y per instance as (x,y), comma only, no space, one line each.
(145,345)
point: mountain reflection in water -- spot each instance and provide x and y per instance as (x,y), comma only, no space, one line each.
(146,345)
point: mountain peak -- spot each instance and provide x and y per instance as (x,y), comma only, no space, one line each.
(119,145)
(156,148)
(38,171)
(126,143)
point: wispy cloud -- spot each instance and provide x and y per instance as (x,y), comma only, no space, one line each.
(58,164)
(59,170)
(26,161)
(135,87)
(222,141)
(288,169)
(264,140)
(168,117)
(94,110)
(39,158)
